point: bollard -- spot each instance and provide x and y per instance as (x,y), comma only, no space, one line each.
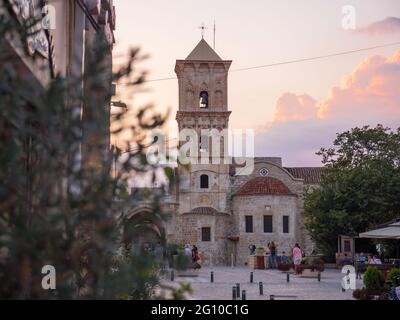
(212,276)
(271,297)
(251,277)
(244,295)
(287,277)
(319,276)
(172,275)
(238,290)
(261,288)
(233,293)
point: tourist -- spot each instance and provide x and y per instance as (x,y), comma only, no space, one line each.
(272,256)
(362,259)
(197,261)
(346,260)
(188,251)
(252,249)
(284,258)
(297,256)
(377,260)
(370,259)
(194,252)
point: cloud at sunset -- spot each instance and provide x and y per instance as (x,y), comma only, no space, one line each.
(389,25)
(291,107)
(368,95)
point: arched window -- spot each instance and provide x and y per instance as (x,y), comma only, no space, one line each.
(204,181)
(204,99)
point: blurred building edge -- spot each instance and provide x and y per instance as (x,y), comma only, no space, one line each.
(65,47)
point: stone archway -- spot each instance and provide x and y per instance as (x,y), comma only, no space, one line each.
(141,226)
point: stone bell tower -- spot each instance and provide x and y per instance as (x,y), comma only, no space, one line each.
(204,213)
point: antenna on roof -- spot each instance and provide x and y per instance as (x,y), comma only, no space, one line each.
(214,35)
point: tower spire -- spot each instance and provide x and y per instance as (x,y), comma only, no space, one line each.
(202,28)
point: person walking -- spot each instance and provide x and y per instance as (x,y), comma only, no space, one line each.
(194,252)
(272,256)
(297,256)
(197,261)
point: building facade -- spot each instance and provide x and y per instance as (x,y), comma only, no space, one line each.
(220,212)
(65,37)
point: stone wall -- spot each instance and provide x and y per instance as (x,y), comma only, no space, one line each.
(256,206)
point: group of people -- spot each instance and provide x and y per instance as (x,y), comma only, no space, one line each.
(296,252)
(362,259)
(193,253)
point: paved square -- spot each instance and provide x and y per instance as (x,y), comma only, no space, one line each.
(274,283)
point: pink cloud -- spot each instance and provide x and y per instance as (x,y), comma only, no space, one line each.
(291,107)
(371,91)
(367,96)
(386,26)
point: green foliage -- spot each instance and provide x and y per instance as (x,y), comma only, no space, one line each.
(59,209)
(374,281)
(184,288)
(395,272)
(359,188)
(181,261)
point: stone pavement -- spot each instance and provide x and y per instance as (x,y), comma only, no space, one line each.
(274,284)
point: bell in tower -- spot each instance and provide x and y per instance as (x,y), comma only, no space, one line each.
(204,99)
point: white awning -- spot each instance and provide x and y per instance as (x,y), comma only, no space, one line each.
(392,231)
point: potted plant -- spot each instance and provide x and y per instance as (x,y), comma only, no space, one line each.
(260,251)
(374,285)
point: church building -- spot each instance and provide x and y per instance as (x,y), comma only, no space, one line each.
(218,211)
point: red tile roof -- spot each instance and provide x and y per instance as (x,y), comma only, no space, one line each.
(310,175)
(264,185)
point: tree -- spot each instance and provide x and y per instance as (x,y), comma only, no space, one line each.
(359,188)
(79,228)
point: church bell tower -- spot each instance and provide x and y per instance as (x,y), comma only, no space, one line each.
(203,188)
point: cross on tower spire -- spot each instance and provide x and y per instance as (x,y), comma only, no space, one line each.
(202,27)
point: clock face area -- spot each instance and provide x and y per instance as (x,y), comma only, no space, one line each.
(264,172)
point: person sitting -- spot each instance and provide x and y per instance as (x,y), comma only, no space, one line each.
(284,259)
(346,260)
(377,260)
(370,259)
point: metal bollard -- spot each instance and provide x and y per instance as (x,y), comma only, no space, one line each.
(238,290)
(251,277)
(233,293)
(271,297)
(287,277)
(244,295)
(261,286)
(212,276)
(319,276)
(172,275)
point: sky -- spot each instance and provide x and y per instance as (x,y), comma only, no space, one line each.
(295,109)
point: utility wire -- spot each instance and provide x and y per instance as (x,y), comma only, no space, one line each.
(318,57)
(290,61)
